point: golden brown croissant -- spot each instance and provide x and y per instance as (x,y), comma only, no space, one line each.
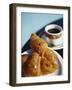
(42,60)
(37,44)
(47,66)
(32,65)
(48,57)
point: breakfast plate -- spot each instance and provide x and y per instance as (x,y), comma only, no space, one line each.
(59,61)
(57,47)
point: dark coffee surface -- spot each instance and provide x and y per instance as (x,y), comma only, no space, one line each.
(54,31)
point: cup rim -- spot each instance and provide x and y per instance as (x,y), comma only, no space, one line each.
(52,26)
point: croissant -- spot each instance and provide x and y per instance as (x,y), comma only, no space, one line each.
(47,66)
(40,46)
(48,57)
(32,65)
(42,60)
(37,44)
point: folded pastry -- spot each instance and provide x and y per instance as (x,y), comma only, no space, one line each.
(47,66)
(42,61)
(40,46)
(48,57)
(37,44)
(32,65)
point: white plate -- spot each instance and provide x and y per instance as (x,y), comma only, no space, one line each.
(53,47)
(59,61)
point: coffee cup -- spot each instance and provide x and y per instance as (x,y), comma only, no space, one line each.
(54,34)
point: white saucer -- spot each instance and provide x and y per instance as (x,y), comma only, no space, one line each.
(57,47)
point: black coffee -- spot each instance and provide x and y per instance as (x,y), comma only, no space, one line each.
(53,31)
